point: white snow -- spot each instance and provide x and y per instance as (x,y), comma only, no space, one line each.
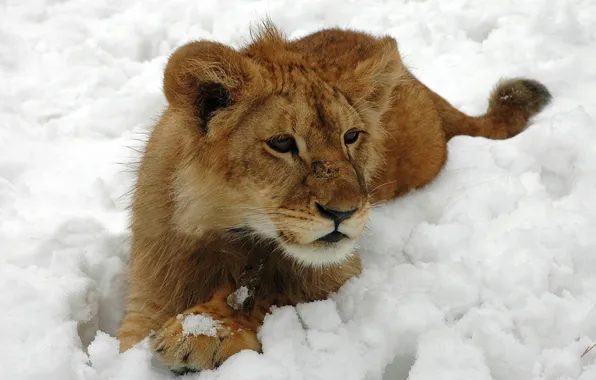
(198,324)
(488,273)
(237,298)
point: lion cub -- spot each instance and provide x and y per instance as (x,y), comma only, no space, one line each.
(260,174)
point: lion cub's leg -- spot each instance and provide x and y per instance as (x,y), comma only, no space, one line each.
(205,335)
(141,318)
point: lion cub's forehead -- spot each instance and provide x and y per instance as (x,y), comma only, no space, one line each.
(311,109)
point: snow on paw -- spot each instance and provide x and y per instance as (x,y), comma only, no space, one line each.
(198,339)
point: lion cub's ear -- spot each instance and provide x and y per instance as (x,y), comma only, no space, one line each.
(378,70)
(202,77)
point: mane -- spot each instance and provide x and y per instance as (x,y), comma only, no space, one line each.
(266,32)
(270,46)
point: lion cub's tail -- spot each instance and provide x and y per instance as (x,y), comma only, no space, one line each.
(511,104)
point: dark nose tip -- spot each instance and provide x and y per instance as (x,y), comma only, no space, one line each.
(335,215)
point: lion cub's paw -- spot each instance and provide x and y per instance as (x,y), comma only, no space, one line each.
(198,339)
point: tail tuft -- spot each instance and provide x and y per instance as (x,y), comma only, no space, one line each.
(525,97)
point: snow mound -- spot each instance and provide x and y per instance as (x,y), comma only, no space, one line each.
(488,273)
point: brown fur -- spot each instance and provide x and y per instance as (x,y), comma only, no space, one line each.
(208,178)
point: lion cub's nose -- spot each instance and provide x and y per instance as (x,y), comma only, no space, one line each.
(335,215)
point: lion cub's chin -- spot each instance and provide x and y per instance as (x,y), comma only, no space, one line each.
(320,256)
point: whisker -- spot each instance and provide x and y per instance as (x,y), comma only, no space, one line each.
(277,211)
(379,203)
(381,185)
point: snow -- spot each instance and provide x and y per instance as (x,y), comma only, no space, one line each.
(488,273)
(198,324)
(238,297)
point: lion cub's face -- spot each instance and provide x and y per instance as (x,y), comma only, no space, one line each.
(302,160)
(287,156)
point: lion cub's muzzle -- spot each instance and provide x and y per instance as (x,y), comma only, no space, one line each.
(337,217)
(324,236)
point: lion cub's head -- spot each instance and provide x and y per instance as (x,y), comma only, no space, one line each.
(280,138)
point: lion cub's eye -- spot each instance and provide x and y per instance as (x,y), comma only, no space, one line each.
(350,137)
(283,144)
